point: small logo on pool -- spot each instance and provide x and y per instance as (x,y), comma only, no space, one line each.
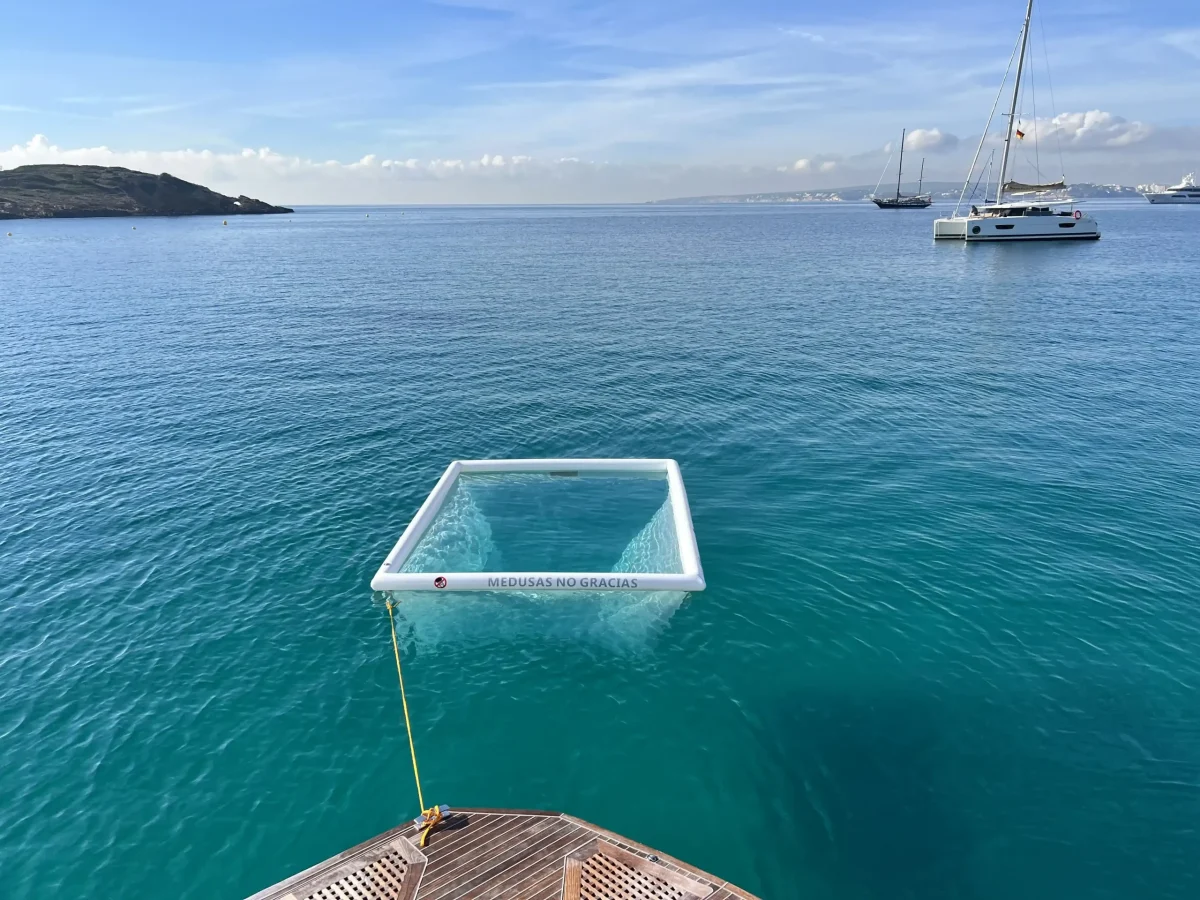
(439,582)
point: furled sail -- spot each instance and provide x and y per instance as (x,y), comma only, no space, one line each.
(1017,187)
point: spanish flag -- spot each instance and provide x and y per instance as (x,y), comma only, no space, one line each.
(1020,135)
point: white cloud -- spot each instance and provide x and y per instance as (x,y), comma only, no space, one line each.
(930,140)
(1098,143)
(1098,133)
(1094,130)
(207,167)
(490,178)
(810,165)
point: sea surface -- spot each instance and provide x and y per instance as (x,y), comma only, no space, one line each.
(947,499)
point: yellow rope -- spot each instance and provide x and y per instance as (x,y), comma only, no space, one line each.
(407,722)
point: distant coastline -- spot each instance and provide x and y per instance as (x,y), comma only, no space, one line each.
(943,190)
(64,191)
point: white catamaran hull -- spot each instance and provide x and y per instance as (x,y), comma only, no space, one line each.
(1016,228)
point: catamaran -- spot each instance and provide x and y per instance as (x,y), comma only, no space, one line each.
(904,201)
(1020,212)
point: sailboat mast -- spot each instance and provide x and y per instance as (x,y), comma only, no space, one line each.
(1012,110)
(900,173)
(921,180)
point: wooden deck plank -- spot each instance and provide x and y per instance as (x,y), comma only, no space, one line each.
(471,869)
(548,888)
(512,858)
(474,839)
(473,843)
(466,832)
(733,892)
(472,855)
(491,870)
(512,877)
(457,825)
(572,879)
(546,860)
(493,854)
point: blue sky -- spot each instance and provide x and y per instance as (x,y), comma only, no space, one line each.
(497,100)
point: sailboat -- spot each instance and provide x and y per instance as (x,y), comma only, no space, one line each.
(902,201)
(1012,217)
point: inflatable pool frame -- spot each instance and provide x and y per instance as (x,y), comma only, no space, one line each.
(691,578)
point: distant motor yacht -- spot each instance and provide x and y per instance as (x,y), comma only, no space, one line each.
(1187,191)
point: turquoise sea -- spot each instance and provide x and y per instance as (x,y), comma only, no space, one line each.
(947,500)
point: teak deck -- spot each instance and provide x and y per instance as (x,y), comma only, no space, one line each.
(496,854)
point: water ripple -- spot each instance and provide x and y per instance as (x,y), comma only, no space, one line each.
(947,500)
